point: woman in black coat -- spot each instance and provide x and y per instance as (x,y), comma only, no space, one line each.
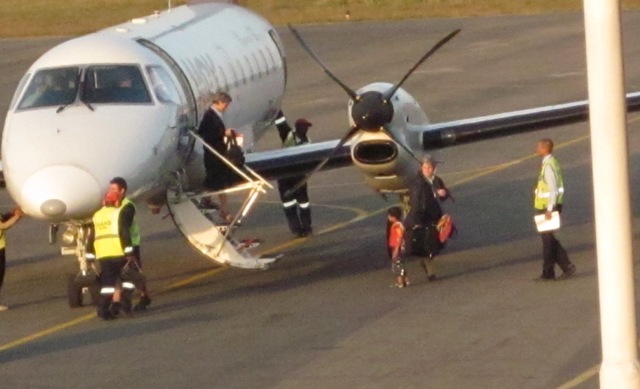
(214,132)
(425,193)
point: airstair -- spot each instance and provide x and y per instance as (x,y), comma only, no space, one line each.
(207,232)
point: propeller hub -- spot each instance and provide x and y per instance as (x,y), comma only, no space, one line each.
(371,111)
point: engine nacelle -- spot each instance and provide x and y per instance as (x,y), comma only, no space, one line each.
(386,165)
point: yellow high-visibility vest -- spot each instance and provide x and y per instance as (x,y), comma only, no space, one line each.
(293,140)
(542,194)
(134,231)
(3,242)
(107,233)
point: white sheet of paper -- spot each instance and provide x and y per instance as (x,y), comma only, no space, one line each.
(544,225)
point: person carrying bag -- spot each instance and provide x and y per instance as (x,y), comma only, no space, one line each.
(234,152)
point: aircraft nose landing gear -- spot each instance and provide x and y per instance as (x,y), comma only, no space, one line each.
(85,284)
(80,286)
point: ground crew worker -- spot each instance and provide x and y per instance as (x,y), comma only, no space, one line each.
(8,220)
(110,243)
(549,197)
(128,210)
(296,205)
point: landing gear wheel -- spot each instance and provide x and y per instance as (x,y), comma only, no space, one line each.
(76,285)
(94,293)
(74,292)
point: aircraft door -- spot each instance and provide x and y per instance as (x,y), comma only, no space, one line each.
(276,40)
(189,117)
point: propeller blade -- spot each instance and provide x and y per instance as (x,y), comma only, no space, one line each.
(389,94)
(344,140)
(313,55)
(407,149)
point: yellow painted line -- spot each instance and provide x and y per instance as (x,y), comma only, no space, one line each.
(361,215)
(583,377)
(46,332)
(492,169)
(594,370)
(192,279)
(497,168)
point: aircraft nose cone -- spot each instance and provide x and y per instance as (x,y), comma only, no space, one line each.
(61,193)
(53,208)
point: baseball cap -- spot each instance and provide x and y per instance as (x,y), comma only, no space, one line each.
(302,122)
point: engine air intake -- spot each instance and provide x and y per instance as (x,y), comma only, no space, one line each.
(375,152)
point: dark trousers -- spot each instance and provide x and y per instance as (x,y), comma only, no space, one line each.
(133,272)
(553,253)
(219,175)
(3,266)
(110,278)
(296,205)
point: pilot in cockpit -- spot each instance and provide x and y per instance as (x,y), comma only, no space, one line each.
(50,91)
(126,90)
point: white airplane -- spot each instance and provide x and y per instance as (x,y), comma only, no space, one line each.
(122,102)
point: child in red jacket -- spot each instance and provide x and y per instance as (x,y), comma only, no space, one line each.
(395,245)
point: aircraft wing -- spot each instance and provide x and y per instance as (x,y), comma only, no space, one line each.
(300,160)
(445,134)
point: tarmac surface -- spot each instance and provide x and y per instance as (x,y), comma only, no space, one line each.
(325,316)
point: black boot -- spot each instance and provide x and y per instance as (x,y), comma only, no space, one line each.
(305,220)
(293,220)
(142,304)
(126,307)
(102,308)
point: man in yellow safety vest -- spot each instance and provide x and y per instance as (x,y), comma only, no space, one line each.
(549,197)
(110,243)
(296,205)
(128,209)
(6,221)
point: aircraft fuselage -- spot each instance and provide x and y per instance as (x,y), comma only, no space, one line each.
(120,102)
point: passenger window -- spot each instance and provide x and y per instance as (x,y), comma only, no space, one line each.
(259,68)
(51,87)
(263,62)
(163,86)
(243,79)
(252,71)
(224,83)
(272,61)
(114,84)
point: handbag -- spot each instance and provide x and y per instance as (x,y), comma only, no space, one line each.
(132,273)
(446,228)
(234,152)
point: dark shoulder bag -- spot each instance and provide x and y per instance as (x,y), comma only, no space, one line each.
(424,241)
(234,153)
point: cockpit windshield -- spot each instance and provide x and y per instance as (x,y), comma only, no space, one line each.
(51,87)
(114,84)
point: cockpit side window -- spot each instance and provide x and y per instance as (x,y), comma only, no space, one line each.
(108,84)
(163,86)
(19,89)
(51,87)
